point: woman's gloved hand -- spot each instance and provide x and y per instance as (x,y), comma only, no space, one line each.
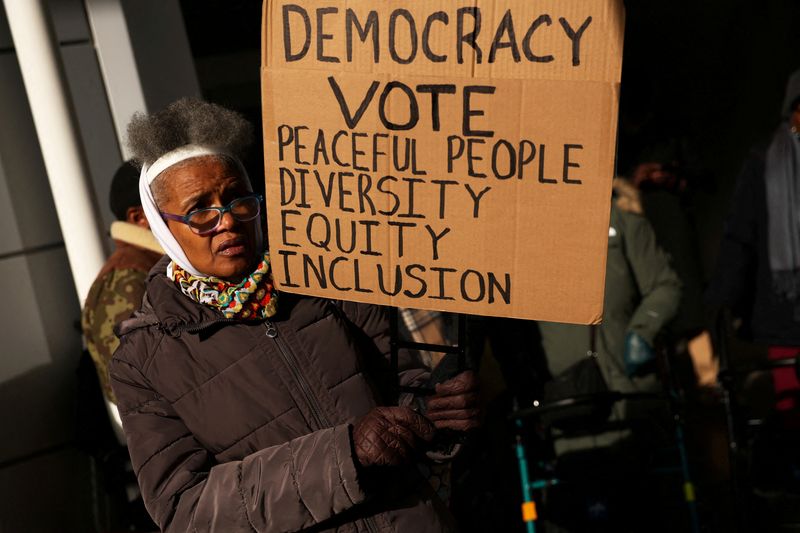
(455,404)
(389,436)
(639,355)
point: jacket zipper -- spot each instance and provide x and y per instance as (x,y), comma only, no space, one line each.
(291,361)
(316,410)
(294,367)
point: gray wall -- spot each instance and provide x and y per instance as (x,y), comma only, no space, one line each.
(46,484)
(40,342)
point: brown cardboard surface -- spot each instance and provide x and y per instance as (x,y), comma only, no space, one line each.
(354,198)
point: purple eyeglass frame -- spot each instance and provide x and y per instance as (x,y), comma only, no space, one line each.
(184,219)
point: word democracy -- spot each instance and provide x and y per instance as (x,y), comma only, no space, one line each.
(410,38)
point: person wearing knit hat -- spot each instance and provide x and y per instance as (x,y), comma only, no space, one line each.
(119,287)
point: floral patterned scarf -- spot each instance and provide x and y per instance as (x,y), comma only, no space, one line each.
(254,298)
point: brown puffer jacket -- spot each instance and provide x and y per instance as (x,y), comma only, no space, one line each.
(237,426)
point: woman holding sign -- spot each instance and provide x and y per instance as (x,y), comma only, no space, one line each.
(246,409)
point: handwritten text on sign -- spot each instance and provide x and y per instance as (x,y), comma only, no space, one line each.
(413,160)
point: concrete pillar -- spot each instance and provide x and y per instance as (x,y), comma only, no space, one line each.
(37,51)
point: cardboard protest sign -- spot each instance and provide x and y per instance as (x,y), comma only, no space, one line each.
(443,154)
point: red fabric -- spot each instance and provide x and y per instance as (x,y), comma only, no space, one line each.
(785,379)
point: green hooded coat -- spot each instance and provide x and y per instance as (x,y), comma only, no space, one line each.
(642,294)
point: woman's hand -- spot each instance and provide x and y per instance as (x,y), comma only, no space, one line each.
(389,436)
(455,404)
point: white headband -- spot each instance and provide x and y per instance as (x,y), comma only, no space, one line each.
(157,225)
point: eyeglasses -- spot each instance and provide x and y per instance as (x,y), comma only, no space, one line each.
(206,220)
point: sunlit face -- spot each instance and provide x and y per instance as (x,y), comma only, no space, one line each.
(229,252)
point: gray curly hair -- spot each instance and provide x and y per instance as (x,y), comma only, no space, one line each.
(186,121)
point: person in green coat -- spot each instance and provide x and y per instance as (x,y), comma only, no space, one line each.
(642,294)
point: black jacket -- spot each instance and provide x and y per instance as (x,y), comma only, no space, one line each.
(743,281)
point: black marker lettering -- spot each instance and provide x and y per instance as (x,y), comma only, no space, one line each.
(476,198)
(411,213)
(364,186)
(342,248)
(323,243)
(363,31)
(412,30)
(523,158)
(512,160)
(439,16)
(286,199)
(352,120)
(344,192)
(286,228)
(469,38)
(506,26)
(413,107)
(320,148)
(327,193)
(332,278)
(469,112)
(575,37)
(302,173)
(375,151)
(334,152)
(400,236)
(481,286)
(442,285)
(423,285)
(391,193)
(287,282)
(542,179)
(504,290)
(472,158)
(356,152)
(287,37)
(398,281)
(442,186)
(435,238)
(319,272)
(298,145)
(284,141)
(451,155)
(435,90)
(570,164)
(357,278)
(322,36)
(368,225)
(527,47)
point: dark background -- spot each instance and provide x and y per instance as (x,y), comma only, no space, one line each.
(707,76)
(707,73)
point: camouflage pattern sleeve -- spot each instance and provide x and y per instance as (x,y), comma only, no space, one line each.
(112,298)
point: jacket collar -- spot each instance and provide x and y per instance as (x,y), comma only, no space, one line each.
(166,305)
(135,235)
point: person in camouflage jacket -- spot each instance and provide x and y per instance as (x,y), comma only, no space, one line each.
(119,287)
